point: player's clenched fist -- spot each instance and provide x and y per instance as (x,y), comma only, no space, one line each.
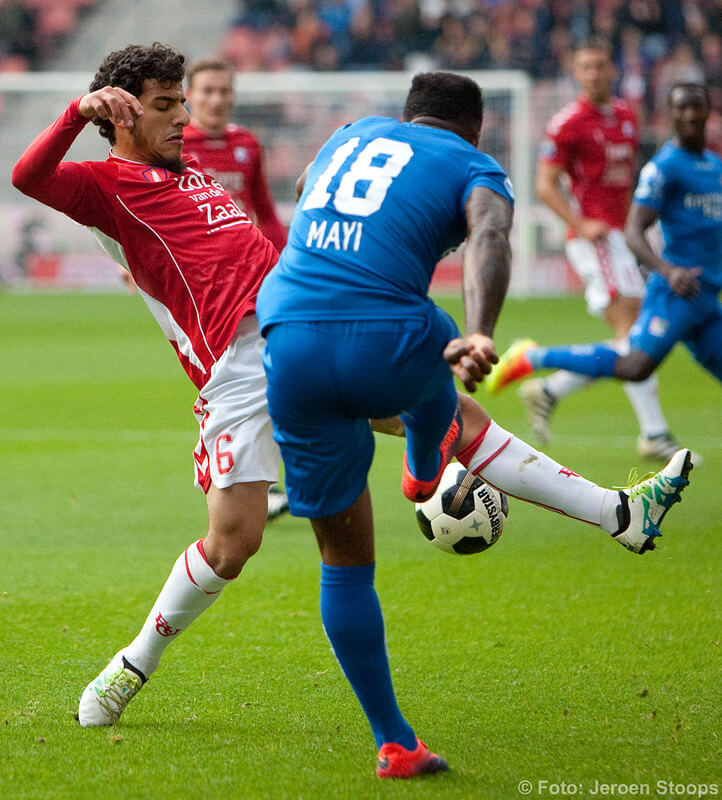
(471,358)
(113,103)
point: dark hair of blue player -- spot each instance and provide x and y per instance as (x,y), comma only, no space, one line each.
(445,96)
(689,87)
(130,67)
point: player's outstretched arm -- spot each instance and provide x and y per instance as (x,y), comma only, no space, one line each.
(683,280)
(486,266)
(39,172)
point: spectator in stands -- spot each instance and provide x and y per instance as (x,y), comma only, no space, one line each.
(18,36)
(369,43)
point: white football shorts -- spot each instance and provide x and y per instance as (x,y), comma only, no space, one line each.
(236,439)
(607,267)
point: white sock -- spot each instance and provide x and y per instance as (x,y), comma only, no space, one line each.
(562,382)
(190,589)
(644,397)
(520,471)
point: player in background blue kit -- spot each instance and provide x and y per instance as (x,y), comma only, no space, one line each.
(682,188)
(351,334)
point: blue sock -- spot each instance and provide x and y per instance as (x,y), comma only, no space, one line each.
(354,625)
(595,360)
(426,426)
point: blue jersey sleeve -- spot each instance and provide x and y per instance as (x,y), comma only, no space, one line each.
(651,186)
(485,171)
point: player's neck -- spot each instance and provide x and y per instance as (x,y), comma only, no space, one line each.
(436,122)
(597,102)
(695,146)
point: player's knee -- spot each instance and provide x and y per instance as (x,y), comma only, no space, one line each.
(635,367)
(230,545)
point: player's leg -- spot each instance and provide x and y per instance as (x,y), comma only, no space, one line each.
(655,440)
(705,343)
(433,422)
(236,429)
(354,624)
(237,516)
(614,289)
(521,471)
(320,423)
(542,395)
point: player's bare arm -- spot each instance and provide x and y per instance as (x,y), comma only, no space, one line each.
(683,280)
(487,259)
(550,192)
(113,103)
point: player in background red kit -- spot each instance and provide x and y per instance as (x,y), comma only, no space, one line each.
(198,262)
(231,153)
(594,141)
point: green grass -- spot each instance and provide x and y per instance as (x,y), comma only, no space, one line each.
(555,656)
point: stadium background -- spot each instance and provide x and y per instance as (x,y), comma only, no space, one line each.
(557,656)
(306,66)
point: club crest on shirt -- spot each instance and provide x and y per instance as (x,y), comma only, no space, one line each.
(155,174)
(658,326)
(240,154)
(628,129)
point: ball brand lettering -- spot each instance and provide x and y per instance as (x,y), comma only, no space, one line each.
(489,503)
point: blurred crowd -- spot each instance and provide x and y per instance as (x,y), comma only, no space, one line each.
(30,30)
(656,42)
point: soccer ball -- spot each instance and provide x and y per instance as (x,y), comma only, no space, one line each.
(465,515)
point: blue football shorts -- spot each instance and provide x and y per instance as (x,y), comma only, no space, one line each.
(326,379)
(665,319)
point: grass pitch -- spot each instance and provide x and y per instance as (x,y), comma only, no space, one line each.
(555,657)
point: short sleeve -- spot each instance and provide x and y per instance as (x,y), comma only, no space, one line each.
(559,139)
(485,171)
(650,188)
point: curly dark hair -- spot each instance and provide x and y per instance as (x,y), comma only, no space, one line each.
(447,96)
(129,67)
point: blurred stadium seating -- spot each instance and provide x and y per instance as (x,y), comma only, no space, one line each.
(656,43)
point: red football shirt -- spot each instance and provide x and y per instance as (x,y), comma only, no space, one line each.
(197,259)
(234,159)
(597,147)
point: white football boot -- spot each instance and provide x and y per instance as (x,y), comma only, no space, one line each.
(539,406)
(277,503)
(663,447)
(104,700)
(650,499)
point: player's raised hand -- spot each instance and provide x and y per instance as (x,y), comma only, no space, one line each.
(683,281)
(471,358)
(113,103)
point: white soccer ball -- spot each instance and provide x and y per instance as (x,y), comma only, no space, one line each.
(465,515)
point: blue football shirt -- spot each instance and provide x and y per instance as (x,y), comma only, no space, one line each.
(382,202)
(685,189)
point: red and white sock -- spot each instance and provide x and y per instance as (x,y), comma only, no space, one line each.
(520,471)
(189,590)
